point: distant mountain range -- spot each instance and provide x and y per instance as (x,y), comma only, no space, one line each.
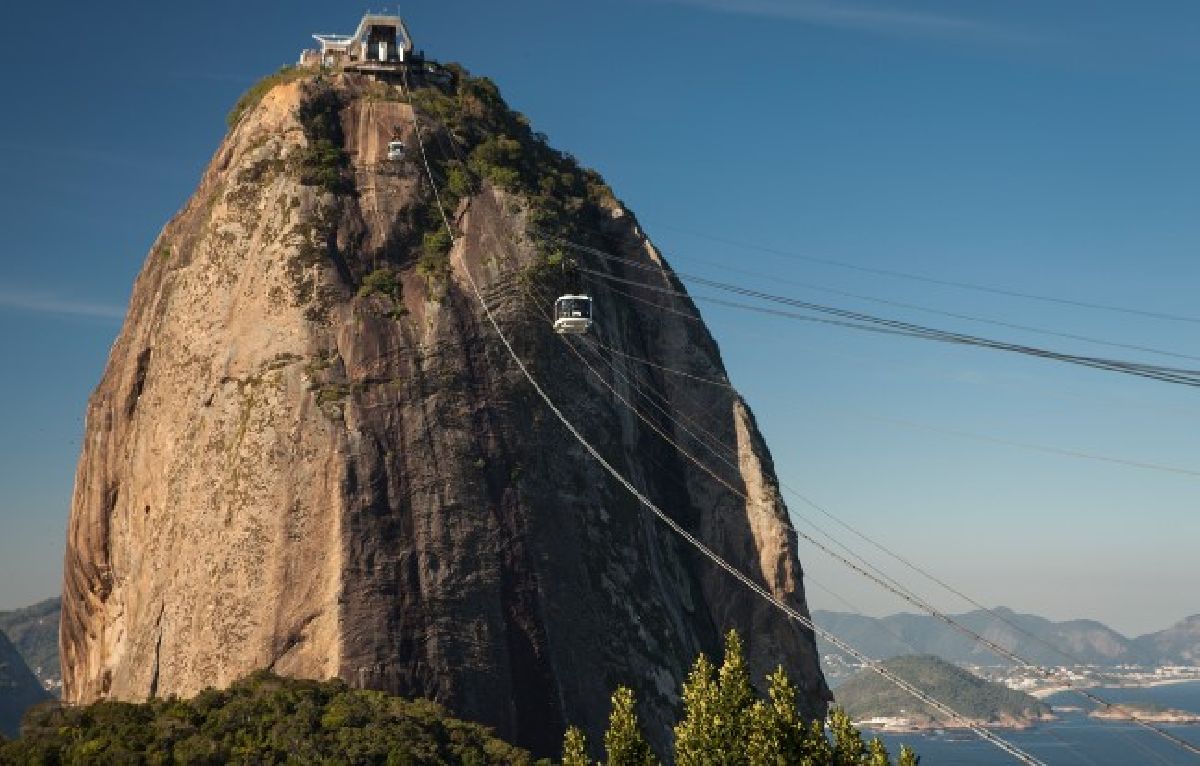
(1178,644)
(1087,642)
(19,688)
(34,632)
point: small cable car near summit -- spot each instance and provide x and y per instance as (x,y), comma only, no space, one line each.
(573,314)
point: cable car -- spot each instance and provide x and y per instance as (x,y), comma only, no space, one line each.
(395,150)
(573,314)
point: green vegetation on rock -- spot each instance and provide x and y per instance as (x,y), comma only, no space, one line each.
(324,161)
(726,723)
(493,144)
(384,282)
(268,719)
(262,719)
(254,95)
(867,694)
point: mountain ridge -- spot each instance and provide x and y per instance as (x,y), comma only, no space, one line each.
(1089,641)
(33,630)
(19,688)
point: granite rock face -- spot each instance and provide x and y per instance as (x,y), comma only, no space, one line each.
(310,452)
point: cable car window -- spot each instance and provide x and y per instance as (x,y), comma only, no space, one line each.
(574,307)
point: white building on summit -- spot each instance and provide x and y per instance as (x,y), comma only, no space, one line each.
(380,44)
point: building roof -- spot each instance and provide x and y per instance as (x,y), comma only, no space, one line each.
(342,42)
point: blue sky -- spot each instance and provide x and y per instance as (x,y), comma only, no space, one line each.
(1048,147)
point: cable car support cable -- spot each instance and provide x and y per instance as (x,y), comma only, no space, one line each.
(1191,376)
(749,583)
(938,281)
(1187,377)
(886,582)
(895,589)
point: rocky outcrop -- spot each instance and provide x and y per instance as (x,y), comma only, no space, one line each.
(309,451)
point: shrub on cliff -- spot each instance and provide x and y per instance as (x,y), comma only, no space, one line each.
(724,722)
(254,95)
(323,161)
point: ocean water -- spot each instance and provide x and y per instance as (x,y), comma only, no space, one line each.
(1074,739)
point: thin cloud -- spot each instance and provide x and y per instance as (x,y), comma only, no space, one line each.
(42,303)
(845,16)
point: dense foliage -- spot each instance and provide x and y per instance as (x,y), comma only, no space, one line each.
(725,723)
(867,694)
(262,719)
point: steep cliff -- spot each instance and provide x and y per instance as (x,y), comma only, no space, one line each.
(310,453)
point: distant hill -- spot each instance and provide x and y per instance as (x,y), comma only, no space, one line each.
(1087,641)
(34,631)
(1177,645)
(261,719)
(867,694)
(19,688)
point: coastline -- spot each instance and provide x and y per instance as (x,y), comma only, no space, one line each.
(1052,690)
(923,725)
(1133,712)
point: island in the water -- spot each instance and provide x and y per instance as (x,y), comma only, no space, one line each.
(1144,711)
(875,702)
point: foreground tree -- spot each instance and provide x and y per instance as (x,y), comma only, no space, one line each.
(574,748)
(696,735)
(624,741)
(725,724)
(778,735)
(848,746)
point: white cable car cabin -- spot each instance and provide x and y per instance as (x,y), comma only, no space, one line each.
(395,150)
(573,314)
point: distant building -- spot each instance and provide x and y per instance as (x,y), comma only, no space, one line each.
(380,44)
